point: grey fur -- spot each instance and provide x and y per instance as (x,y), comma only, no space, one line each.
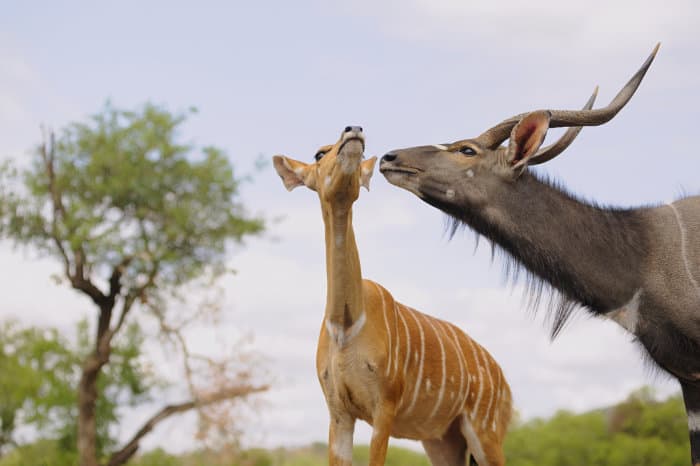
(639,266)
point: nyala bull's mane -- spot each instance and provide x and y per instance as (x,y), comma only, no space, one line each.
(547,280)
(537,291)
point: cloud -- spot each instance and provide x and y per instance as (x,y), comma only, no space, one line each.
(545,24)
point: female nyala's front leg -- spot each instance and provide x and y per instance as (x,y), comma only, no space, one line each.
(340,435)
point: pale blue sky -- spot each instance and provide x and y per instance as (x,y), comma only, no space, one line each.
(283,77)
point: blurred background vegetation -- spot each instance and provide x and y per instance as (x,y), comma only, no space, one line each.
(640,431)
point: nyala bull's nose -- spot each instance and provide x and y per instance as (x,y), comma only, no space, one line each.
(353,129)
(389,157)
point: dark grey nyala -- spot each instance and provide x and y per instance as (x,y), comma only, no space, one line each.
(639,267)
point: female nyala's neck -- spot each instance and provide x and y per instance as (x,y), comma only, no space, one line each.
(592,255)
(344,304)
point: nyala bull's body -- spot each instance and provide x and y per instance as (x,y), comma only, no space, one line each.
(639,266)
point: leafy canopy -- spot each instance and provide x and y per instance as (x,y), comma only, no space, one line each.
(122,187)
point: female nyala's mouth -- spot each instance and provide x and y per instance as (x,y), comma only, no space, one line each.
(353,138)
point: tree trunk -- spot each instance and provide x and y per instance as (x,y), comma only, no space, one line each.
(87,390)
(87,424)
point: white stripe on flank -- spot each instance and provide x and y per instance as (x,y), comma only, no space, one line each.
(478,377)
(684,247)
(441,393)
(388,331)
(496,392)
(462,365)
(419,376)
(398,341)
(408,343)
(487,369)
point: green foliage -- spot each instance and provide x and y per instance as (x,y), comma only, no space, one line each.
(41,370)
(41,453)
(128,188)
(638,431)
(315,455)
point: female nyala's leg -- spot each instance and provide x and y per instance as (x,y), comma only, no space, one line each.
(340,436)
(381,430)
(450,450)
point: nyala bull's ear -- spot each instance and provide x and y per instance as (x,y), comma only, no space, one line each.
(526,137)
(366,171)
(294,173)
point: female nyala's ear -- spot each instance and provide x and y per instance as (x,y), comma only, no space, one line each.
(294,173)
(366,171)
(526,137)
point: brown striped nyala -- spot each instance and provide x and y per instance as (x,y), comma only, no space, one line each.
(637,266)
(407,374)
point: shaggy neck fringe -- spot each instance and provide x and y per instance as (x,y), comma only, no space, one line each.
(574,252)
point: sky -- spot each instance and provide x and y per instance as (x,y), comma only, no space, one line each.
(285,78)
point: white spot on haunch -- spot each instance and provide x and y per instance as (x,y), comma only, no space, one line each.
(627,316)
(450,193)
(470,173)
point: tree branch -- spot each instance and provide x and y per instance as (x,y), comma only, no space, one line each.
(77,276)
(122,456)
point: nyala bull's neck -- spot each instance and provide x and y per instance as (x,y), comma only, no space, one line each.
(344,276)
(592,255)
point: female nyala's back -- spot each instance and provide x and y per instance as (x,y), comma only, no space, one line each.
(440,376)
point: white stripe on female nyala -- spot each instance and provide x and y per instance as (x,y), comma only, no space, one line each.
(407,374)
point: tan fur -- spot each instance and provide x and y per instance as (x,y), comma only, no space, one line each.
(407,374)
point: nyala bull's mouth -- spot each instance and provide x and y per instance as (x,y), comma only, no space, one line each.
(384,169)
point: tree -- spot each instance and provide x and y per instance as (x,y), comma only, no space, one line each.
(132,215)
(40,377)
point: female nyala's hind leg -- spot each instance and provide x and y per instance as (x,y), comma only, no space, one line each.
(691,397)
(483,446)
(450,450)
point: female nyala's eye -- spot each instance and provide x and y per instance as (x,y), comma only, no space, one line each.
(468,151)
(319,155)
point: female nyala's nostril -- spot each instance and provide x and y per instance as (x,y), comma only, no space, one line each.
(357,129)
(389,157)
